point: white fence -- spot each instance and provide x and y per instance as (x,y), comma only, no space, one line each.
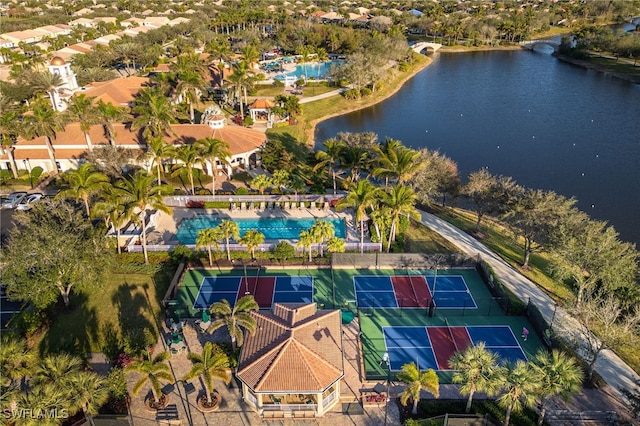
(367,247)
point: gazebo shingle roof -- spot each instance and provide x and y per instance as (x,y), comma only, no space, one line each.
(295,349)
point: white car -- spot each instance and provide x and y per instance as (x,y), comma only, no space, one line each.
(27,201)
(13,199)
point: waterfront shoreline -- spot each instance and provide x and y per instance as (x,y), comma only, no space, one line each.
(591,66)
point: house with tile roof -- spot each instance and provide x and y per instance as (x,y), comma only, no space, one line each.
(293,365)
(119,92)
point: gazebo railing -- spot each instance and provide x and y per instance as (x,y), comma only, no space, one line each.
(290,407)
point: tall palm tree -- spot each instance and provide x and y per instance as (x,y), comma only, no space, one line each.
(361,196)
(44,122)
(252,239)
(521,387)
(189,88)
(354,159)
(417,381)
(15,359)
(397,162)
(228,229)
(49,83)
(305,241)
(82,110)
(559,375)
(241,79)
(158,151)
(189,157)
(84,183)
(8,130)
(115,210)
(333,148)
(250,55)
(210,364)
(322,230)
(108,115)
(214,150)
(44,398)
(143,195)
(153,112)
(56,369)
(152,370)
(90,392)
(336,245)
(235,319)
(220,50)
(477,371)
(208,238)
(400,200)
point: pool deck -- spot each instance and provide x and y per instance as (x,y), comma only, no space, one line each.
(166,225)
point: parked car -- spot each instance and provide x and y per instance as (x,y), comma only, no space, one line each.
(13,200)
(28,201)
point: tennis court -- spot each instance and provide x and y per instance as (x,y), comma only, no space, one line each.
(265,290)
(412,291)
(433,346)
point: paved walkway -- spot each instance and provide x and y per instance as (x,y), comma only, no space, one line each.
(609,366)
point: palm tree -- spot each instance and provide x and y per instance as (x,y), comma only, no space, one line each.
(522,386)
(152,370)
(115,210)
(154,113)
(400,200)
(90,392)
(45,398)
(221,50)
(189,157)
(207,238)
(214,150)
(250,55)
(228,229)
(108,115)
(158,151)
(15,359)
(354,158)
(8,130)
(336,245)
(211,363)
(252,239)
(333,148)
(82,110)
(44,122)
(143,195)
(306,241)
(322,230)
(49,83)
(417,381)
(241,79)
(261,182)
(559,375)
(361,196)
(190,86)
(477,371)
(57,370)
(397,162)
(235,319)
(83,184)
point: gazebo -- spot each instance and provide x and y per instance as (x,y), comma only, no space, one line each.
(292,365)
(260,110)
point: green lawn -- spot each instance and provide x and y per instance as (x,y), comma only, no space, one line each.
(122,313)
(420,239)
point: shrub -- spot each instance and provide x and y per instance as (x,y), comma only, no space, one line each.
(277,83)
(117,383)
(248,121)
(179,252)
(352,94)
(283,251)
(242,191)
(193,204)
(403,67)
(28,321)
(365,91)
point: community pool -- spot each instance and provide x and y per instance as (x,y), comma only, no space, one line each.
(273,228)
(313,71)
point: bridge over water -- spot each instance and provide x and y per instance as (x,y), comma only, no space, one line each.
(531,44)
(423,45)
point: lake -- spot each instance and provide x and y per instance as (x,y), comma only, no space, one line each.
(548,124)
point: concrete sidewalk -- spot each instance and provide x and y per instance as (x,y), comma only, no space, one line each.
(609,366)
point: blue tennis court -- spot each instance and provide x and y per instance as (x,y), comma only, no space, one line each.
(409,344)
(214,289)
(432,347)
(447,283)
(450,292)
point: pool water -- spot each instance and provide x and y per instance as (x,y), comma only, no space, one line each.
(273,228)
(315,71)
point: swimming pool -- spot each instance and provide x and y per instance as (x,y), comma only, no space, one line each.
(315,71)
(273,228)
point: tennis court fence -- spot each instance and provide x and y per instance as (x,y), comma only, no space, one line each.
(401,261)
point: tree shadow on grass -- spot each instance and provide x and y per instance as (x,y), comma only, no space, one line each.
(134,319)
(73,329)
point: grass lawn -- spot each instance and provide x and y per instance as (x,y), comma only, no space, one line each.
(420,239)
(121,313)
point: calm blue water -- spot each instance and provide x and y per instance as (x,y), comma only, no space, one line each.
(273,228)
(548,124)
(314,71)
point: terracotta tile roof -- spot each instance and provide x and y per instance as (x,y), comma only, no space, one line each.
(119,91)
(261,104)
(240,139)
(295,349)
